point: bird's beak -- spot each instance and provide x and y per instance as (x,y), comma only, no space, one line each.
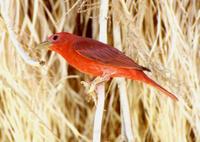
(44,45)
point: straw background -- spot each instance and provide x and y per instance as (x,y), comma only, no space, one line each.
(48,103)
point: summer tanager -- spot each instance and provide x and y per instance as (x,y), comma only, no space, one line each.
(98,59)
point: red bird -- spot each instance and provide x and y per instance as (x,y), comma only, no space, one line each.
(98,59)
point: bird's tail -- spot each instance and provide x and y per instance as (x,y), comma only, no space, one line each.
(144,78)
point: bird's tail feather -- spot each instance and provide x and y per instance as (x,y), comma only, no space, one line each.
(146,79)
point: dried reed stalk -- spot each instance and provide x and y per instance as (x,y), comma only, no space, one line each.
(101,88)
(124,105)
(45,104)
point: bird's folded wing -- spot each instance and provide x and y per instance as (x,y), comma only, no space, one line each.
(105,54)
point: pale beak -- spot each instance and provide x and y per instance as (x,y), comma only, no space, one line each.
(44,45)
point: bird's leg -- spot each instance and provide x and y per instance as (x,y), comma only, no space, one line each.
(91,86)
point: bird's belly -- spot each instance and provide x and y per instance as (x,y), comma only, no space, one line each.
(94,68)
(86,66)
(89,68)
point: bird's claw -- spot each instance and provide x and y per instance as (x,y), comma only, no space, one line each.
(85,84)
(90,90)
(91,86)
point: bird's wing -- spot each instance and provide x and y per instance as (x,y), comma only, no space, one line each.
(105,54)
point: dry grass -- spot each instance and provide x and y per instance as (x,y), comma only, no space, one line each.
(47,103)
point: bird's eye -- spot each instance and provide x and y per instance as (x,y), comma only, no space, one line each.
(55,37)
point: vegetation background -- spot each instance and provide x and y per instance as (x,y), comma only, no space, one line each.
(47,103)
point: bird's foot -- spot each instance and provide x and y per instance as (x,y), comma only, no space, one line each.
(90,90)
(91,86)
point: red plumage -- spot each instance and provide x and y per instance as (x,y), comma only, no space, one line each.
(96,58)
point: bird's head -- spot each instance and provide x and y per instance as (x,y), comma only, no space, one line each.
(55,41)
